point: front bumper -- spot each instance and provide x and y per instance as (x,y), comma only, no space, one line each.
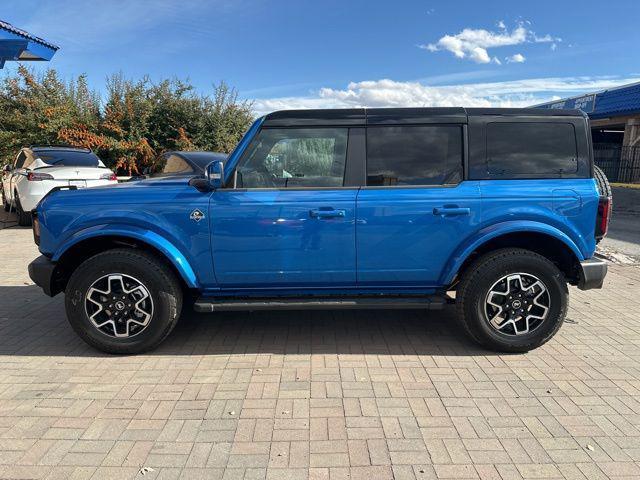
(42,271)
(592,273)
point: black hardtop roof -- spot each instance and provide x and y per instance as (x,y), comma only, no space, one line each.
(373,116)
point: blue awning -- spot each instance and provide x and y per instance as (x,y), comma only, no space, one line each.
(16,44)
(618,101)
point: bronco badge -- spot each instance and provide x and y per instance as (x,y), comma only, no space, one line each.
(196,215)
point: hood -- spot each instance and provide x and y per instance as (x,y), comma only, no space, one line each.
(151,190)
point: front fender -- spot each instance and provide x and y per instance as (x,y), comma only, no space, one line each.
(496,230)
(168,249)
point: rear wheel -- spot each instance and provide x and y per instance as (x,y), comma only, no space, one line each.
(512,300)
(5,202)
(123,301)
(24,218)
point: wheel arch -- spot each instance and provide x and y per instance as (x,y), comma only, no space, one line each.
(73,252)
(542,239)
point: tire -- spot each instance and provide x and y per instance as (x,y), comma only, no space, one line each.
(604,187)
(162,302)
(5,204)
(24,218)
(485,273)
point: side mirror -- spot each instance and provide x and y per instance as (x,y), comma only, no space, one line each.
(211,180)
(215,174)
(7,168)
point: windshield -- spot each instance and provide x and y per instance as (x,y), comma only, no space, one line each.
(68,158)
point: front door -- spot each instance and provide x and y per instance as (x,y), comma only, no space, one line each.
(290,221)
(415,209)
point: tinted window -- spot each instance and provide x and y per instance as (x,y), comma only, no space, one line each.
(423,155)
(199,160)
(68,158)
(172,164)
(531,148)
(295,157)
(20,160)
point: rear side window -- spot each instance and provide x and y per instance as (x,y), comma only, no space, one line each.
(20,160)
(68,158)
(414,155)
(528,148)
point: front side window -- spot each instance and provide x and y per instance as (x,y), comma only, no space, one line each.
(528,148)
(294,157)
(414,155)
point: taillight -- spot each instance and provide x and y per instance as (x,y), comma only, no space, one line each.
(605,205)
(38,177)
(109,176)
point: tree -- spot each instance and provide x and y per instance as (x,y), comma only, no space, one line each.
(136,122)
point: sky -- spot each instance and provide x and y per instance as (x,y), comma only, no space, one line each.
(342,53)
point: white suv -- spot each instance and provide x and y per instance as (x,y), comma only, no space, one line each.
(37,170)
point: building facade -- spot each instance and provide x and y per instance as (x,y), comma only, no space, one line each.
(18,45)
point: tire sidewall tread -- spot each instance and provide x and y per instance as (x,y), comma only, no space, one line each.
(24,218)
(162,284)
(604,187)
(488,269)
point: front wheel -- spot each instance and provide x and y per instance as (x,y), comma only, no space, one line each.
(123,301)
(512,300)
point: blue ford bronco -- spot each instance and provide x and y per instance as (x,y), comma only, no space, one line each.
(494,210)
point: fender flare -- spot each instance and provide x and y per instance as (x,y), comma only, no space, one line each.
(496,230)
(167,248)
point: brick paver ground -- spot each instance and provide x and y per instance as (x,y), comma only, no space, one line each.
(340,395)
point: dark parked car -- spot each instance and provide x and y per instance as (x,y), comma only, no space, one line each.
(181,163)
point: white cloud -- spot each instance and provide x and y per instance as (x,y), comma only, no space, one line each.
(473,44)
(516,58)
(391,93)
(545,38)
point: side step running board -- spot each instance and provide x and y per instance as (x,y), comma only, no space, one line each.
(221,304)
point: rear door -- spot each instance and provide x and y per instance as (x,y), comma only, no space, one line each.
(290,220)
(415,209)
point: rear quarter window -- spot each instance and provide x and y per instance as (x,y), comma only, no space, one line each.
(522,149)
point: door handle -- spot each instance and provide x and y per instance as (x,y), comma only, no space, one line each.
(321,213)
(451,211)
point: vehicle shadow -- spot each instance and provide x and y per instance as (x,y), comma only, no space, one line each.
(32,324)
(9,220)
